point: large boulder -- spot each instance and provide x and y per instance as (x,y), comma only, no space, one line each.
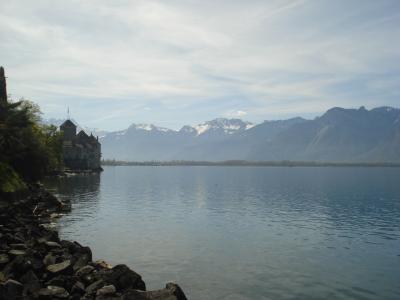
(124,278)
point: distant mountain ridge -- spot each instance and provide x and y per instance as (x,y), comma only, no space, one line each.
(339,135)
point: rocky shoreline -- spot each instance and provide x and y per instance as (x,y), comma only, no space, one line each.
(36,264)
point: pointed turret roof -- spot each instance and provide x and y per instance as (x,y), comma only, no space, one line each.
(83,138)
(93,140)
(83,134)
(68,123)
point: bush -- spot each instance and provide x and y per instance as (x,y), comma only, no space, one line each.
(10,182)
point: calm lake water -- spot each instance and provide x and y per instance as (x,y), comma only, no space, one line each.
(244,232)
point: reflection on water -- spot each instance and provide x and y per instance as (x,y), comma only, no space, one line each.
(245,232)
(83,192)
(75,186)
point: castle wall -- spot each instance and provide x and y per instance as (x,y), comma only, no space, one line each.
(69,134)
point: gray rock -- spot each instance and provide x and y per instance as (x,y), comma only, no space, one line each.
(65,206)
(49,259)
(171,292)
(84,270)
(55,215)
(109,297)
(16,252)
(71,246)
(30,281)
(88,279)
(124,278)
(66,281)
(51,244)
(83,260)
(53,291)
(18,246)
(49,226)
(37,264)
(62,267)
(41,240)
(176,290)
(102,264)
(78,288)
(4,259)
(95,286)
(106,290)
(11,289)
(18,266)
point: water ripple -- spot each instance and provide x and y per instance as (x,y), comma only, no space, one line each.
(244,233)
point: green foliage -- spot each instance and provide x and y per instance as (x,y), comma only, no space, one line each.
(28,147)
(10,182)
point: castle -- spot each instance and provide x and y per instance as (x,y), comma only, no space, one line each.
(80,151)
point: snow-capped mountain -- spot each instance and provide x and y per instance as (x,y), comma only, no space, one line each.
(149,142)
(338,135)
(221,125)
(148,127)
(188,130)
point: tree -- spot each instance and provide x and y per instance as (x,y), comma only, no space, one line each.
(27,146)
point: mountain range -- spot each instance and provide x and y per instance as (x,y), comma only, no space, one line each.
(339,135)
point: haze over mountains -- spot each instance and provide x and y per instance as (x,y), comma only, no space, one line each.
(339,135)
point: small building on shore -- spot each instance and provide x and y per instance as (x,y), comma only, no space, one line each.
(80,151)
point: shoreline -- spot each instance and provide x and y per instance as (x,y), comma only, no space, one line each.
(240,163)
(36,264)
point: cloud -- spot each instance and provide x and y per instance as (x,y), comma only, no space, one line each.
(191,61)
(235,114)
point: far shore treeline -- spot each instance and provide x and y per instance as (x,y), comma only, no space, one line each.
(244,163)
(28,149)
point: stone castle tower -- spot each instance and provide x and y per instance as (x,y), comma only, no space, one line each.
(80,151)
(69,130)
(3,86)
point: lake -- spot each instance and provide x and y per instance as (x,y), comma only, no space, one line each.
(244,232)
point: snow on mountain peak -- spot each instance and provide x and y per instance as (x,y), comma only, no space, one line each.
(201,128)
(149,127)
(250,125)
(229,126)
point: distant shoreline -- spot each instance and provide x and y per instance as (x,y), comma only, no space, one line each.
(244,163)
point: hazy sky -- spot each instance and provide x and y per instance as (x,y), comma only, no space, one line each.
(182,62)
